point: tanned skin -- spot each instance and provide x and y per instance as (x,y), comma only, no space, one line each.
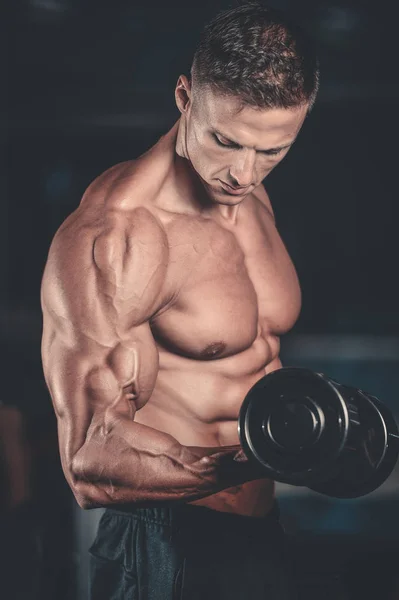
(164,297)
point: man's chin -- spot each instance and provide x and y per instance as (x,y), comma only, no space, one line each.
(229,201)
(221,197)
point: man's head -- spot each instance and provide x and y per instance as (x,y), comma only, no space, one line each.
(253,80)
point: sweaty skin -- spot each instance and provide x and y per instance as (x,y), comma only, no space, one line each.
(164,297)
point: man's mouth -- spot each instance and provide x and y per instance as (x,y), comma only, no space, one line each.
(234,191)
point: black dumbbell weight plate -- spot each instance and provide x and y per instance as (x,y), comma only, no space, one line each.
(371,449)
(295,423)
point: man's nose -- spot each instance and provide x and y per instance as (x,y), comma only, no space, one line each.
(242,171)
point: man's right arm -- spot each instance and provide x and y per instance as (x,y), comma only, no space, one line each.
(101,362)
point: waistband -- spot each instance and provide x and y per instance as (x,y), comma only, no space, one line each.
(179,516)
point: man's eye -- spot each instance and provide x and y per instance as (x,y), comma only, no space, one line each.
(272,152)
(224,145)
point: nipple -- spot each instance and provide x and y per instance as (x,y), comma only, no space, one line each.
(213,350)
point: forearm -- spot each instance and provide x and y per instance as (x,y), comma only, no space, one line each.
(132,463)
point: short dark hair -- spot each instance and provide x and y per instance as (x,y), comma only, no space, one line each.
(256,54)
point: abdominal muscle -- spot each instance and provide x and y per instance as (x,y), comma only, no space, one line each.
(198,402)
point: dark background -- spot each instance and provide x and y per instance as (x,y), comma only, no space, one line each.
(87,84)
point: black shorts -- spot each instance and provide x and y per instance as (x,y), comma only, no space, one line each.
(188,552)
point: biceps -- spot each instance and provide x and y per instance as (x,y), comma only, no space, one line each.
(91,384)
(128,371)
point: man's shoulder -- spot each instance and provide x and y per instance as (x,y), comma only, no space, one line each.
(114,215)
(114,253)
(118,188)
(118,199)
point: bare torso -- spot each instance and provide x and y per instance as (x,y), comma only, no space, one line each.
(229,293)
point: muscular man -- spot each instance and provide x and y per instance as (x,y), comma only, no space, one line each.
(164,297)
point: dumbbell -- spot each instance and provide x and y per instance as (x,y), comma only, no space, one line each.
(306,429)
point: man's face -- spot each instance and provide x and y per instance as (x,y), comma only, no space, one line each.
(233,150)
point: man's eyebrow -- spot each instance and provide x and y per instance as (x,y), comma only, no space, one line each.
(276,149)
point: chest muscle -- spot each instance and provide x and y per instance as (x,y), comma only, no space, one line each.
(228,288)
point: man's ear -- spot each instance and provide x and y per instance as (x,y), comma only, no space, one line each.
(183,94)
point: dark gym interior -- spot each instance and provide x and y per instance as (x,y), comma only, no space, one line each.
(88,84)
